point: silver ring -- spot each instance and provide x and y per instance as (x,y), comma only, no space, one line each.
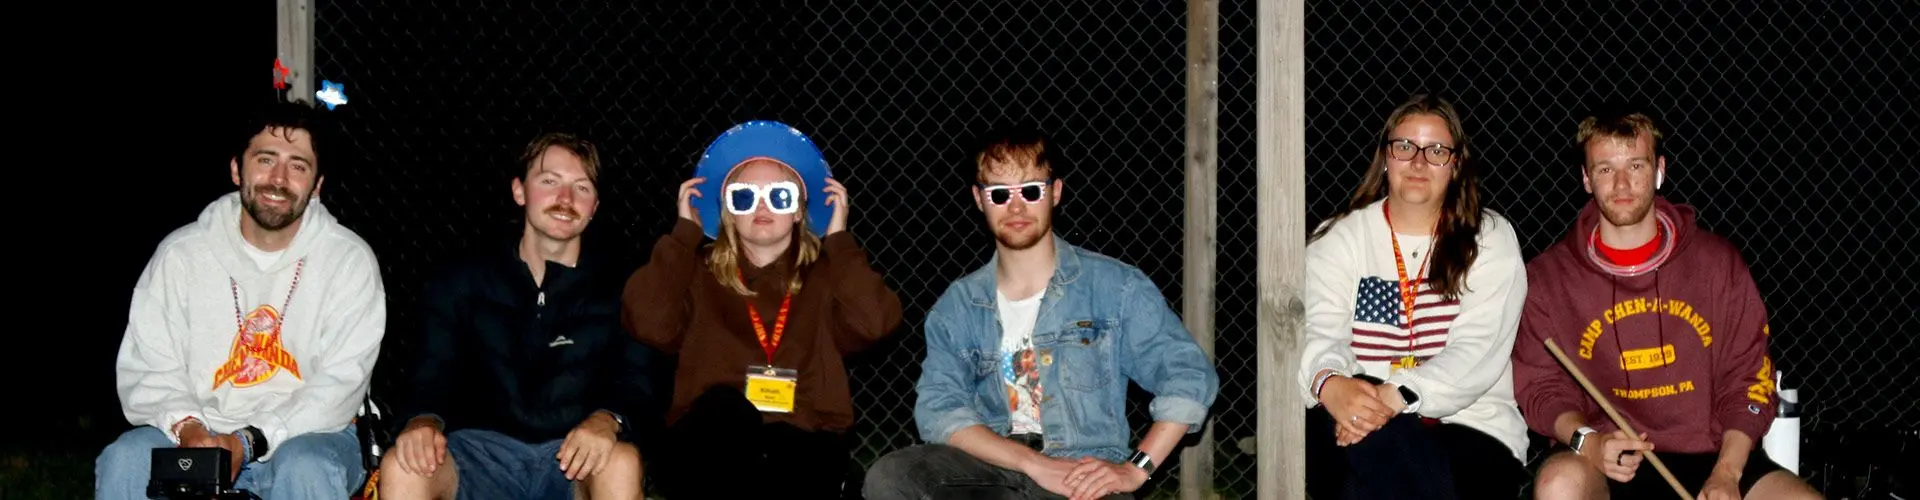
(1356,418)
(1621,460)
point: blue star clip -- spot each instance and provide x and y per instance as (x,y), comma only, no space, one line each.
(333,94)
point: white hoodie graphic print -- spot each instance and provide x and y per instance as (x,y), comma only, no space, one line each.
(216,336)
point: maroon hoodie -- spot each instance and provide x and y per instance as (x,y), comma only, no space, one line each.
(1689,320)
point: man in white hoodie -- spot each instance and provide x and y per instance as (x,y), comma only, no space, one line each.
(254,329)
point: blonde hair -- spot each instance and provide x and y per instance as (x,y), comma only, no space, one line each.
(1617,124)
(724,259)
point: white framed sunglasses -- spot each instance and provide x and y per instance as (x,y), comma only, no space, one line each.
(781,197)
(1030,192)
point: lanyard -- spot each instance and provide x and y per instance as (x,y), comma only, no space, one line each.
(239,318)
(769,344)
(1407,294)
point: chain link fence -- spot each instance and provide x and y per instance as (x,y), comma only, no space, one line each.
(444,94)
(1776,116)
(1779,122)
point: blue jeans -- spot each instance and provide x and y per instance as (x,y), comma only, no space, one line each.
(492,465)
(310,466)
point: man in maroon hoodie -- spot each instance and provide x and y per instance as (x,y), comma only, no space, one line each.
(1663,318)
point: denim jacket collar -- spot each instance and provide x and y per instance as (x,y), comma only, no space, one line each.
(1066,270)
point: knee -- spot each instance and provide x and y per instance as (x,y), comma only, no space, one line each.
(624,461)
(1782,484)
(1565,475)
(306,462)
(895,474)
(393,474)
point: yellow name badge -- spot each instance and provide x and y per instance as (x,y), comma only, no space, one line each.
(771,389)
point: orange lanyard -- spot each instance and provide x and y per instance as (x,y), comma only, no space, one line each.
(1407,294)
(772,343)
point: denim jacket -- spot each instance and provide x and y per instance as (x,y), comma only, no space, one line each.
(1102,322)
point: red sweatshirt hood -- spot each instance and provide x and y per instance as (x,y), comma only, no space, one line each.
(1675,220)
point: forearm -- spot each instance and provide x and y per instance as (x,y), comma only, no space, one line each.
(983,444)
(1566,424)
(1161,439)
(1734,447)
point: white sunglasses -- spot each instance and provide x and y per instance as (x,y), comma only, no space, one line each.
(1030,192)
(781,197)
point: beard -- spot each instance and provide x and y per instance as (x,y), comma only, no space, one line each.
(269,218)
(1627,216)
(1011,241)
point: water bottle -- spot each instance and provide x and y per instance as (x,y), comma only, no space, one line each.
(1783,436)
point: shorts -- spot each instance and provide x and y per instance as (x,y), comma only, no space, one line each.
(492,465)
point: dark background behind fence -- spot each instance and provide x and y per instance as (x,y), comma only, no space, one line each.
(1783,123)
(443,98)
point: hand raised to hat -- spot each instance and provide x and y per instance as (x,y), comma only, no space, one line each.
(836,198)
(688,191)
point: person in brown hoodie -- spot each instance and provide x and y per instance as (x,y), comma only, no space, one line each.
(760,319)
(1664,319)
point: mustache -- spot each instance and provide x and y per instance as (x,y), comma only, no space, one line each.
(563,210)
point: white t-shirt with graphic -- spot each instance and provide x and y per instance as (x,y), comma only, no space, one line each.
(1019,366)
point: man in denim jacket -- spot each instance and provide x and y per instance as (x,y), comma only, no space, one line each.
(1023,390)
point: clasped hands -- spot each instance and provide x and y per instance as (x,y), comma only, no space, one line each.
(194,434)
(1359,407)
(1086,478)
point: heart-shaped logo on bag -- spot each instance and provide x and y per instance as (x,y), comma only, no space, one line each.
(186,463)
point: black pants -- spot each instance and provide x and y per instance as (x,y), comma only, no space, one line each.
(1409,460)
(938,471)
(721,449)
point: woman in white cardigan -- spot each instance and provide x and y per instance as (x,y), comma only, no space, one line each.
(1414,405)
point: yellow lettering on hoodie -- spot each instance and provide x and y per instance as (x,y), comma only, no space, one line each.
(1588,338)
(257,353)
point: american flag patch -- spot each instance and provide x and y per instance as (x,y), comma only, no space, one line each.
(1380,328)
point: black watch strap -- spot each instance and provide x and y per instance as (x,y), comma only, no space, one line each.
(620,422)
(259,441)
(1142,460)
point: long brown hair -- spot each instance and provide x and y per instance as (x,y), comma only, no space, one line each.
(724,259)
(1456,239)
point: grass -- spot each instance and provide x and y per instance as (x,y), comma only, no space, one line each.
(37,469)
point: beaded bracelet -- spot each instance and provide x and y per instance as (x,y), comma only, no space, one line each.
(246,446)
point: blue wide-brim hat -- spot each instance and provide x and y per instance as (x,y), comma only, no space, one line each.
(762,139)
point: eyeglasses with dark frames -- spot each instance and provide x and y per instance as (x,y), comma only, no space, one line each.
(1438,155)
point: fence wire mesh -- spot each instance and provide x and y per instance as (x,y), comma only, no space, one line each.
(1777,120)
(443,95)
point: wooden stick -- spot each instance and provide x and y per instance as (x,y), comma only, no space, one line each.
(1617,420)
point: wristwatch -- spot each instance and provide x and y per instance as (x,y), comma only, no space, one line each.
(1142,460)
(1579,438)
(619,422)
(256,441)
(1412,400)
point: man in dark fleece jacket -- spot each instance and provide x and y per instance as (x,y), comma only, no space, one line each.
(1664,319)
(526,386)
